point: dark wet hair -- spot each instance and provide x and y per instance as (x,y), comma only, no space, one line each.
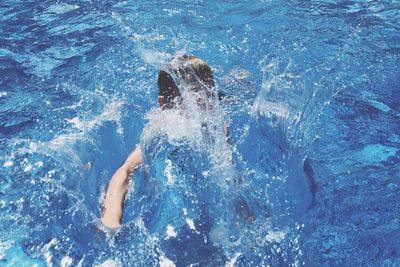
(189,70)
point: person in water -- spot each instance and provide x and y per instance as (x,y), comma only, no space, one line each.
(188,71)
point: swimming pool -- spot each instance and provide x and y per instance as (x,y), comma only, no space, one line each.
(313,106)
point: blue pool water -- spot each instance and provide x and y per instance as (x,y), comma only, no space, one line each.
(311,176)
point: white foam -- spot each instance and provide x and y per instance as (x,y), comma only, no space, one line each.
(152,57)
(190,223)
(61,146)
(110,263)
(4,246)
(170,231)
(39,164)
(28,168)
(66,261)
(140,223)
(275,236)
(48,256)
(168,172)
(80,263)
(239,73)
(165,262)
(175,125)
(111,112)
(61,8)
(8,163)
(185,127)
(233,260)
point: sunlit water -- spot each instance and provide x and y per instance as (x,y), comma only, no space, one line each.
(309,176)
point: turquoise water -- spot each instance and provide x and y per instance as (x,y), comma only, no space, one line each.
(310,177)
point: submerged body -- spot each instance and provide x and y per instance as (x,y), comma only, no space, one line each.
(183,71)
(188,179)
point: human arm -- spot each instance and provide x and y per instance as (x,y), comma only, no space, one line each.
(117,188)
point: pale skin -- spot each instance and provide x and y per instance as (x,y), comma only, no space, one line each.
(114,199)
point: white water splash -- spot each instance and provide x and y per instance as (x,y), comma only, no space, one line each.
(168,172)
(4,246)
(61,147)
(152,57)
(233,260)
(47,254)
(275,236)
(165,262)
(110,263)
(190,223)
(176,126)
(111,112)
(8,164)
(66,261)
(171,231)
(273,110)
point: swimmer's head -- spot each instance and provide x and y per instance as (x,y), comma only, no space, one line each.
(183,72)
